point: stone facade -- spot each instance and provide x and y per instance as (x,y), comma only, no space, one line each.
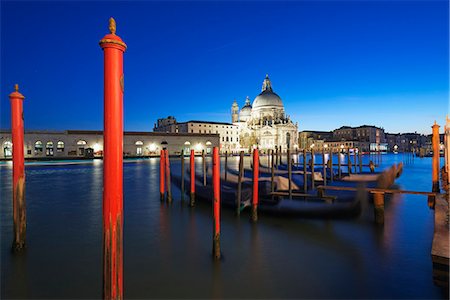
(87,143)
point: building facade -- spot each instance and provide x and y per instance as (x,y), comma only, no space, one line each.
(228,133)
(89,143)
(264,123)
(370,138)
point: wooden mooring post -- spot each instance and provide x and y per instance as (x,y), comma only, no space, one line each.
(354,160)
(435,163)
(204,167)
(18,188)
(255,196)
(360,160)
(162,172)
(226,165)
(339,165)
(312,169)
(289,163)
(216,204)
(305,178)
(192,171)
(113,49)
(331,165)
(168,181)
(182,175)
(272,173)
(239,187)
(349,162)
(378,205)
(324,167)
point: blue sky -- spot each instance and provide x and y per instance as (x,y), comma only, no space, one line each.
(333,63)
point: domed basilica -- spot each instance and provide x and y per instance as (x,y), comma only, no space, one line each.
(264,123)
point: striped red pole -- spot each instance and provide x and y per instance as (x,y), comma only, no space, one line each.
(255,185)
(19,209)
(162,161)
(192,167)
(113,49)
(168,181)
(216,203)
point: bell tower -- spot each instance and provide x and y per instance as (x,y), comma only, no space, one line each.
(234,112)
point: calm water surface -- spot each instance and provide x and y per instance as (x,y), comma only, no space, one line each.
(167,249)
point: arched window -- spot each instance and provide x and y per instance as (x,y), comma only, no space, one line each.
(288,140)
(208,147)
(81,144)
(139,145)
(49,148)
(38,148)
(7,149)
(60,146)
(187,147)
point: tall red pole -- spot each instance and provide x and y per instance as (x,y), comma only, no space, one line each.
(216,186)
(113,49)
(19,209)
(255,185)
(435,164)
(192,167)
(162,162)
(168,181)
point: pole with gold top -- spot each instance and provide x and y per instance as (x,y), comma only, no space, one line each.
(435,168)
(19,209)
(113,49)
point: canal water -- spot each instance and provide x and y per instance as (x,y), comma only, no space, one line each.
(167,249)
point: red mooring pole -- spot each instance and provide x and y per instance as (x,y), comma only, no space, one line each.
(435,161)
(216,203)
(192,167)
(255,185)
(19,209)
(113,49)
(162,162)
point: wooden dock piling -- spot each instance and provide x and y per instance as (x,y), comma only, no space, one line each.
(168,181)
(349,162)
(378,203)
(226,165)
(216,204)
(289,162)
(272,174)
(162,175)
(182,175)
(255,196)
(324,167)
(312,169)
(435,163)
(339,165)
(360,161)
(331,165)
(239,187)
(305,178)
(204,167)
(192,171)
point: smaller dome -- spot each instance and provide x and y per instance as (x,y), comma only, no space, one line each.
(246,110)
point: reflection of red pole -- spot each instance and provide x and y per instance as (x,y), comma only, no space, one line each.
(192,167)
(216,184)
(113,49)
(255,185)
(168,181)
(19,210)
(162,161)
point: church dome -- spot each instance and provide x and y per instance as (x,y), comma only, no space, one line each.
(246,111)
(267,98)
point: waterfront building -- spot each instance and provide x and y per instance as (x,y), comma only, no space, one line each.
(89,143)
(369,137)
(307,138)
(264,123)
(228,133)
